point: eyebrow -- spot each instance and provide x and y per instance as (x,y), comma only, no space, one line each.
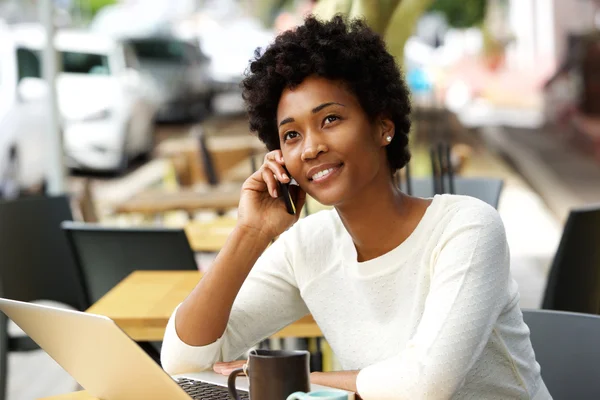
(314,111)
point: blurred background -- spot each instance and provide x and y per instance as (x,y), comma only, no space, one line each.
(133,110)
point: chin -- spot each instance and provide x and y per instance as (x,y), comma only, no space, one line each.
(330,198)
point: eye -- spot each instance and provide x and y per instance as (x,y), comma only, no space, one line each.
(290,135)
(330,119)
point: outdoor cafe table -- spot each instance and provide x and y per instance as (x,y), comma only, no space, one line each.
(82,395)
(209,236)
(157,201)
(142,303)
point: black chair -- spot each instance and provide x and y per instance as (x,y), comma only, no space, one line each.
(574,280)
(207,161)
(444,181)
(566,347)
(106,255)
(485,189)
(36,263)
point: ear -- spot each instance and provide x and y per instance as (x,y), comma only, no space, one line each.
(387,129)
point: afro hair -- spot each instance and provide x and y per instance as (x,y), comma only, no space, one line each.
(348,52)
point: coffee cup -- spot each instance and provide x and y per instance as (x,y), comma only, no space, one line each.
(273,374)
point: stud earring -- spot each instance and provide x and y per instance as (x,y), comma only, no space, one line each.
(389,139)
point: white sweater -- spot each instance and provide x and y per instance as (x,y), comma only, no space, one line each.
(435,318)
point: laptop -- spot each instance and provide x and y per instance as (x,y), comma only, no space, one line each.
(108,363)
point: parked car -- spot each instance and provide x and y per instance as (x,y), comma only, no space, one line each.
(23,118)
(181,72)
(107,107)
(221,30)
(230,38)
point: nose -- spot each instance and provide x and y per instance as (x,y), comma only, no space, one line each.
(313,149)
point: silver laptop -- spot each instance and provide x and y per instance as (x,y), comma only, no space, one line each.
(108,363)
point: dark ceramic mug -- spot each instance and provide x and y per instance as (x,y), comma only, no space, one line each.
(273,374)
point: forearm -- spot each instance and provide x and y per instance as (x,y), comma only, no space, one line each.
(202,317)
(345,380)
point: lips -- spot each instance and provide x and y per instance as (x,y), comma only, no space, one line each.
(321,171)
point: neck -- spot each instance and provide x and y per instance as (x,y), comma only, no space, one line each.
(379,219)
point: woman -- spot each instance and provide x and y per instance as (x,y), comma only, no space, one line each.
(414,295)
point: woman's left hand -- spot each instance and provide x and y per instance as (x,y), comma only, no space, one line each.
(226,368)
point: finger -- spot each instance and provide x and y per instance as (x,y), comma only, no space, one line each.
(275,155)
(256,182)
(228,371)
(280,158)
(272,186)
(278,170)
(223,370)
(236,363)
(222,367)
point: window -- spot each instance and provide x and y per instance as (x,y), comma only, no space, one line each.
(28,64)
(167,50)
(85,63)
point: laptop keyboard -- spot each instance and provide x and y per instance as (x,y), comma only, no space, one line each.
(199,390)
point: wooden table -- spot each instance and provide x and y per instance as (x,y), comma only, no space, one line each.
(155,202)
(209,236)
(143,302)
(82,395)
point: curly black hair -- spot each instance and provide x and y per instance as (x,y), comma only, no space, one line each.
(347,52)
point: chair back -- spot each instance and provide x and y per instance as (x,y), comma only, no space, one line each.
(207,161)
(106,255)
(485,189)
(35,260)
(574,279)
(566,346)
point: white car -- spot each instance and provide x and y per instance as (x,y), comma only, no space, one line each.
(22,123)
(180,71)
(229,38)
(107,107)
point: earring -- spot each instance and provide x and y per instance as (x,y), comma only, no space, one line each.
(389,139)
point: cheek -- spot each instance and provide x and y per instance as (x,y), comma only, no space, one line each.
(293,162)
(363,147)
(365,155)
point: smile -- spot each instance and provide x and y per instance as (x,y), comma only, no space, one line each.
(325,174)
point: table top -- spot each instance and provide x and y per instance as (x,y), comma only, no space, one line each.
(156,201)
(142,303)
(82,395)
(209,236)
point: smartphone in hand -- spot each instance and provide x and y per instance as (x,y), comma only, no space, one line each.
(284,189)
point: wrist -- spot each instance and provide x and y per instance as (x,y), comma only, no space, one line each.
(246,231)
(345,380)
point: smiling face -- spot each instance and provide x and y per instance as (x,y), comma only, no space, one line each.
(330,146)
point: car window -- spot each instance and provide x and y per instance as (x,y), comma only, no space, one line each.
(85,63)
(166,50)
(28,64)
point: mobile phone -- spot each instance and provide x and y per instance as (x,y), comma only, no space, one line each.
(284,189)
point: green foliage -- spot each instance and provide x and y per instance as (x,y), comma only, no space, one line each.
(395,20)
(461,13)
(95,5)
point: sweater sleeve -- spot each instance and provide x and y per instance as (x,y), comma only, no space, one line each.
(268,300)
(469,287)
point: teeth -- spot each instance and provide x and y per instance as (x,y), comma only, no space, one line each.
(321,174)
